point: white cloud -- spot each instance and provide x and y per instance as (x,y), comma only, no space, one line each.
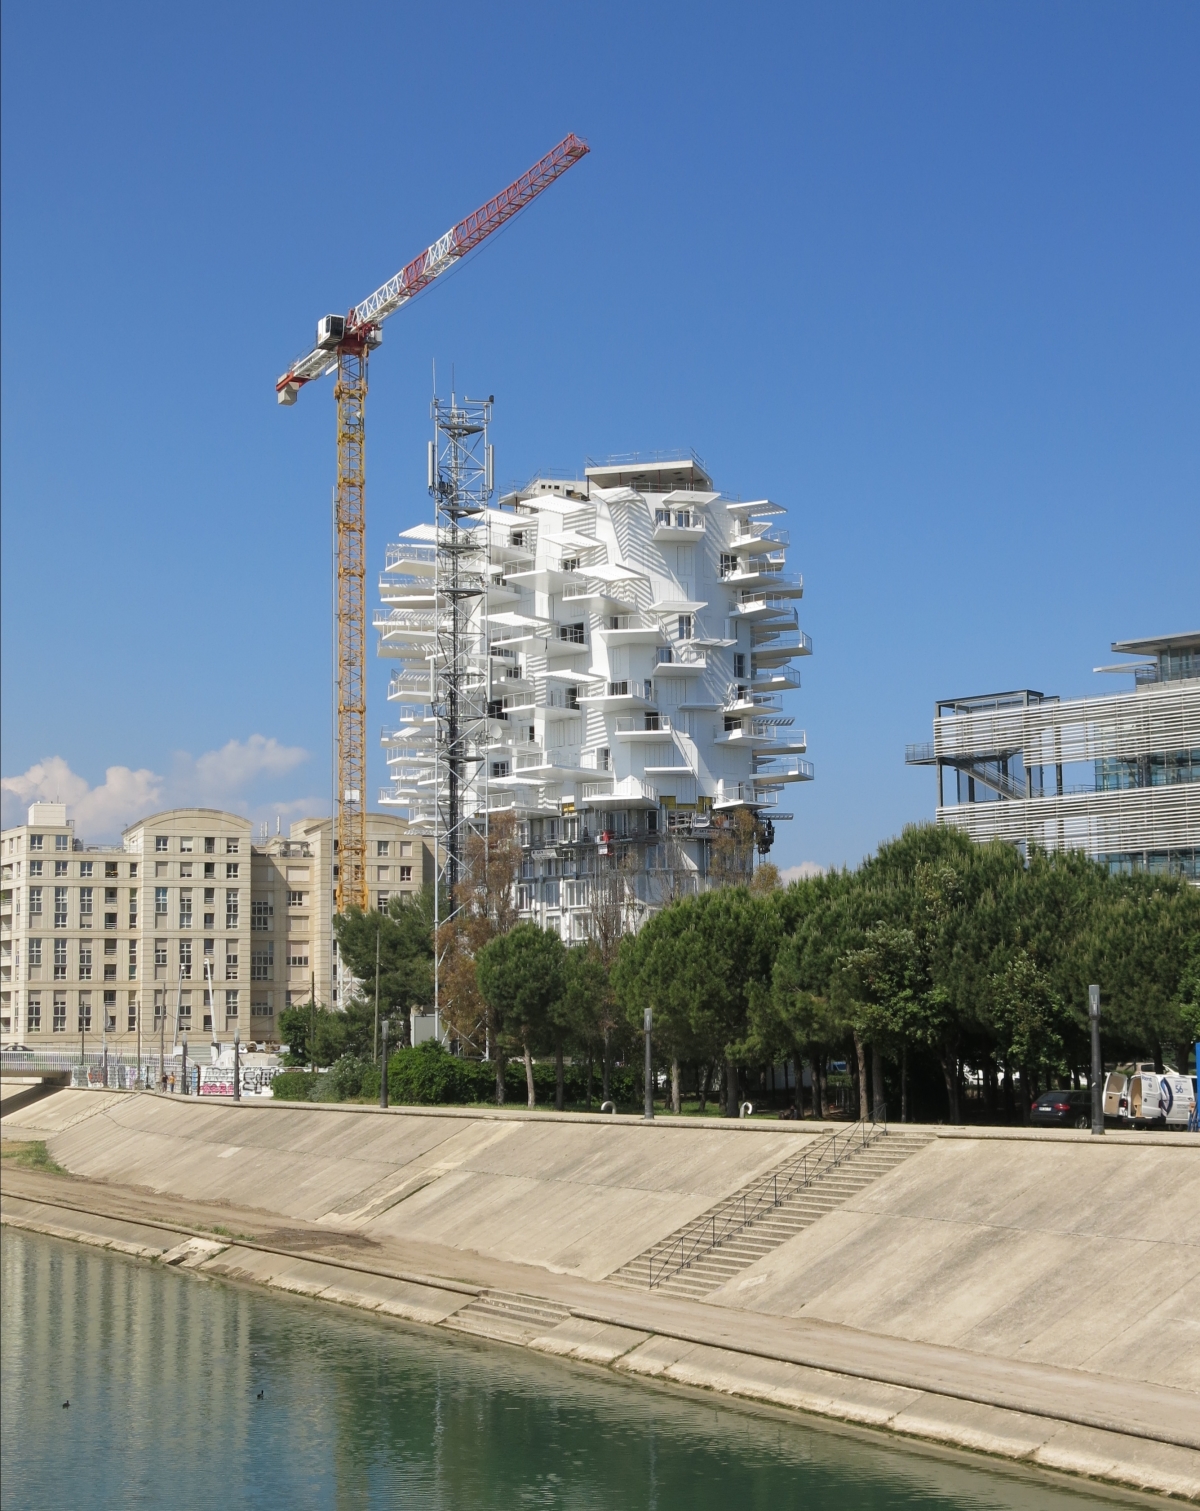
(802,872)
(236,765)
(123,796)
(218,777)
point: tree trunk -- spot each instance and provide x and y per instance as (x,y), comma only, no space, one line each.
(731,1090)
(494,1046)
(559,1089)
(1009,1109)
(861,1061)
(949,1063)
(532,1102)
(989,1089)
(904,1080)
(818,1098)
(876,1083)
(1026,1083)
(702,1086)
(589,1079)
(676,1098)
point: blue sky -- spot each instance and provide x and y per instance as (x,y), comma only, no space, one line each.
(925,274)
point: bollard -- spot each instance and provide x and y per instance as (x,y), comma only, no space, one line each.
(383,1076)
(237,1066)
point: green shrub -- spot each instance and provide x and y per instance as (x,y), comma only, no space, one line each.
(293,1086)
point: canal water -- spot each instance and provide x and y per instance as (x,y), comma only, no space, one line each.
(187,1392)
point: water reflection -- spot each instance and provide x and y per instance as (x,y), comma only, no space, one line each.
(163,1371)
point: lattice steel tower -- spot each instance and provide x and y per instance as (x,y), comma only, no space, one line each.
(460,480)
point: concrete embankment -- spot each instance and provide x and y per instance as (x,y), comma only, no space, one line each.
(1033,1296)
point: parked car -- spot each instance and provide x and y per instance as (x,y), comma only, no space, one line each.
(1062,1109)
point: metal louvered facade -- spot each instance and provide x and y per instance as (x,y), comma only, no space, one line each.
(1117,776)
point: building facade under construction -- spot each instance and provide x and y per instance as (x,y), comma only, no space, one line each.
(1116,776)
(603,657)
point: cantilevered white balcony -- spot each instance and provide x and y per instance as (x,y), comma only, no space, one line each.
(643,727)
(678,526)
(741,795)
(784,769)
(776,653)
(620,697)
(630,629)
(629,792)
(681,659)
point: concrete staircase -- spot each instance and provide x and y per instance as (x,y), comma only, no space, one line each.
(508,1316)
(692,1266)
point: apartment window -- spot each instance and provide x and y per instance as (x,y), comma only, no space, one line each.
(160,1004)
(728,564)
(406,847)
(686,627)
(381,902)
(35,841)
(210,870)
(35,952)
(382,846)
(210,845)
(231,909)
(60,960)
(132,960)
(231,870)
(85,868)
(739,664)
(35,868)
(110,897)
(33,1013)
(185,908)
(231,960)
(295,899)
(160,843)
(618,689)
(84,1024)
(185,959)
(133,865)
(262,910)
(35,900)
(60,907)
(209,945)
(262,962)
(185,868)
(499,769)
(60,868)
(571,633)
(210,896)
(185,845)
(160,868)
(231,1004)
(62,841)
(298,952)
(160,952)
(110,869)
(732,722)
(133,907)
(605,758)
(160,902)
(185,1009)
(405,873)
(110,1012)
(231,846)
(60,1012)
(85,960)
(260,1007)
(131,1013)
(383,873)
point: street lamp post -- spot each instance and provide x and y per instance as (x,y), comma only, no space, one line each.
(383,1076)
(184,1075)
(237,1073)
(648,1024)
(1097,1062)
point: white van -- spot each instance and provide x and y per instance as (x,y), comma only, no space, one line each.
(1154,1101)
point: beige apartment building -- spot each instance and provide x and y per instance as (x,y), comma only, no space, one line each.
(190,925)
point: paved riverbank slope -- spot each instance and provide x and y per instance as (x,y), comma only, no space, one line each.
(1030,1295)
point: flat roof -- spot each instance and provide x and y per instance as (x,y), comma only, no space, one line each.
(1157,643)
(652,476)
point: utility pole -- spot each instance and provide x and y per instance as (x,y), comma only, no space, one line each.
(383,1074)
(312,1023)
(648,1023)
(1097,1062)
(185,1069)
(375,1044)
(237,1074)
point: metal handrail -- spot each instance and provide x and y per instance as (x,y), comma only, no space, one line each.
(740,1211)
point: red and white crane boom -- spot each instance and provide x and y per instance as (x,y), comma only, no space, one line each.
(343,343)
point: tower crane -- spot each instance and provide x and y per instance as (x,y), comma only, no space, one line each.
(342,345)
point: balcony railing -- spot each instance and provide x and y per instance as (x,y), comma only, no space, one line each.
(654,723)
